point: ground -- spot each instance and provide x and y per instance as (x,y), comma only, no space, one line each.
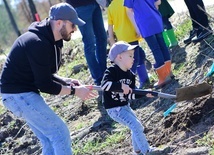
(182,130)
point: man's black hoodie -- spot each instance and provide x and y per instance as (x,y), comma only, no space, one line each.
(34,58)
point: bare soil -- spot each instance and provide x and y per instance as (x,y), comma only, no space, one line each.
(190,121)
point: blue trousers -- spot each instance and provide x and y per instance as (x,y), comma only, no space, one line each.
(139,56)
(126,116)
(159,49)
(196,14)
(46,125)
(95,40)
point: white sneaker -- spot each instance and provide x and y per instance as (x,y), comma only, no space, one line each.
(158,151)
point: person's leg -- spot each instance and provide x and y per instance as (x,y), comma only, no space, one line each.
(136,57)
(202,21)
(197,14)
(88,38)
(161,54)
(166,54)
(156,50)
(139,66)
(167,24)
(142,71)
(163,48)
(101,40)
(192,8)
(46,124)
(191,5)
(126,116)
(47,148)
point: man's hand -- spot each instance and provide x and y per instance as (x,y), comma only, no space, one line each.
(75,82)
(84,93)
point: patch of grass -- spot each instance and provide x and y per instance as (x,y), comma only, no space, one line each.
(183,29)
(80,125)
(179,67)
(2,109)
(96,144)
(208,141)
(66,103)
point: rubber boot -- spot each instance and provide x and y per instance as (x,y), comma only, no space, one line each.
(163,77)
(172,39)
(166,38)
(168,67)
(143,76)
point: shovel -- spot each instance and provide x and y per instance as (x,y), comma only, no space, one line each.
(191,92)
(182,94)
(139,92)
(201,89)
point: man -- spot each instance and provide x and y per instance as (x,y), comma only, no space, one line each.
(93,36)
(31,68)
(200,23)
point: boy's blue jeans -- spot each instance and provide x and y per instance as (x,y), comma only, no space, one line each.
(46,125)
(94,38)
(159,49)
(126,116)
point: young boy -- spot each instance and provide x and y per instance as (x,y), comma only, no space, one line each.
(119,77)
(121,21)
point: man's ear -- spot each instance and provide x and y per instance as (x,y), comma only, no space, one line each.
(59,24)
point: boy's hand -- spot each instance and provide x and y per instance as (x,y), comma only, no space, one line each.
(126,89)
(149,95)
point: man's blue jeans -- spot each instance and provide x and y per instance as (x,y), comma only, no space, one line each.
(159,49)
(94,39)
(126,116)
(46,125)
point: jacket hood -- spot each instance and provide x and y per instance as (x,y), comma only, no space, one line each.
(42,28)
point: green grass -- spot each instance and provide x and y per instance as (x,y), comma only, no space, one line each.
(2,109)
(183,29)
(208,141)
(98,144)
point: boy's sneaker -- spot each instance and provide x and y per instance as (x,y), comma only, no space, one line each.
(158,151)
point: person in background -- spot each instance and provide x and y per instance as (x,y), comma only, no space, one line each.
(149,22)
(31,68)
(168,34)
(200,23)
(119,77)
(93,36)
(122,22)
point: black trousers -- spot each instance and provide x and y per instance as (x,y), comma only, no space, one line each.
(197,15)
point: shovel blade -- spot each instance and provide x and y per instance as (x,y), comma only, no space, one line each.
(191,92)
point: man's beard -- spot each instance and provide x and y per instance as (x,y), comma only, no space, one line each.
(64,34)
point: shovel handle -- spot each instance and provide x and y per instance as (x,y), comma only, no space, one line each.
(139,92)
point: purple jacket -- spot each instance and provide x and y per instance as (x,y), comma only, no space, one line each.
(147,17)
